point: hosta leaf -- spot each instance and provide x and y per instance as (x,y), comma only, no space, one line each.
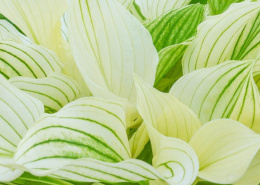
(85,141)
(165,113)
(219,6)
(252,176)
(173,158)
(26,60)
(232,35)
(55,91)
(151,9)
(18,111)
(176,26)
(227,90)
(227,149)
(138,141)
(169,69)
(109,45)
(39,20)
(9,33)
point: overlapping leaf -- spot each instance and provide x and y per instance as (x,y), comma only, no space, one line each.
(85,141)
(55,91)
(232,35)
(26,60)
(109,45)
(227,90)
(18,111)
(225,149)
(39,20)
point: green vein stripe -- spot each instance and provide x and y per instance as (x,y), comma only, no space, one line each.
(42,86)
(96,139)
(43,94)
(6,63)
(105,156)
(23,60)
(100,108)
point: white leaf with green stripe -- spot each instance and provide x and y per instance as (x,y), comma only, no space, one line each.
(109,45)
(85,141)
(165,30)
(227,150)
(165,112)
(173,158)
(169,69)
(233,35)
(18,111)
(151,9)
(227,90)
(39,20)
(26,60)
(55,91)
(127,3)
(9,33)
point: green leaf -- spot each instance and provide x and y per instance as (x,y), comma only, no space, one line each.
(165,30)
(219,6)
(227,90)
(169,69)
(199,1)
(152,9)
(147,153)
(55,91)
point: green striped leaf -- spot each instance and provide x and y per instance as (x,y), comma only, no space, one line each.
(165,30)
(40,23)
(233,35)
(109,45)
(227,150)
(127,3)
(252,175)
(219,6)
(26,60)
(85,141)
(173,158)
(9,33)
(54,92)
(227,90)
(151,9)
(18,111)
(169,69)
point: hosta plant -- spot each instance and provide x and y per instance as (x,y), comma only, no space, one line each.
(128,92)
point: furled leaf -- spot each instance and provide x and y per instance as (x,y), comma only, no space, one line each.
(173,158)
(109,45)
(169,69)
(219,6)
(18,111)
(176,26)
(39,20)
(55,91)
(151,9)
(232,35)
(85,141)
(227,90)
(252,176)
(225,149)
(26,60)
